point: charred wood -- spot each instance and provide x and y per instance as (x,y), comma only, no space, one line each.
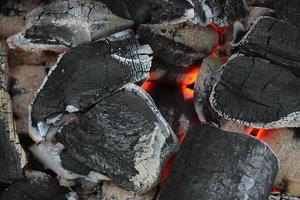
(123,137)
(274,40)
(214,164)
(63,24)
(257,93)
(87,73)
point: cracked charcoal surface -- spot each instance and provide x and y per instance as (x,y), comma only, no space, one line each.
(221,12)
(214,164)
(257,93)
(11,152)
(37,186)
(289,11)
(89,72)
(121,137)
(274,40)
(68,23)
(150,11)
(178,44)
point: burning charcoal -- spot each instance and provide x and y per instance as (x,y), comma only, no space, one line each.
(179,44)
(274,40)
(289,11)
(37,186)
(255,13)
(214,164)
(67,23)
(257,93)
(110,191)
(86,74)
(12,156)
(173,75)
(123,137)
(286,146)
(152,11)
(220,12)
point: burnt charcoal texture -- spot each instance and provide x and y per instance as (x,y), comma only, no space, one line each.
(208,76)
(257,93)
(289,11)
(178,44)
(89,72)
(219,165)
(36,186)
(262,3)
(123,137)
(152,11)
(12,156)
(220,12)
(67,23)
(274,40)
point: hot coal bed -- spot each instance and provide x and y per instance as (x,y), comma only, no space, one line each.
(150,100)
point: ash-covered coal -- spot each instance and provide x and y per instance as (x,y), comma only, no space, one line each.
(123,138)
(259,88)
(180,44)
(67,23)
(257,93)
(87,73)
(220,12)
(220,165)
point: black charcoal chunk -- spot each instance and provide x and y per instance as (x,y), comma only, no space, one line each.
(289,11)
(179,44)
(36,186)
(152,11)
(123,138)
(274,40)
(219,165)
(257,93)
(89,72)
(67,23)
(220,12)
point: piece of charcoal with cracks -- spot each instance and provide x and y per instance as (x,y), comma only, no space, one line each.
(180,44)
(12,155)
(86,74)
(208,76)
(274,40)
(289,11)
(36,186)
(68,23)
(123,138)
(153,11)
(255,92)
(220,12)
(219,165)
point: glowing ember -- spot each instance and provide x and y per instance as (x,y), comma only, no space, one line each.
(148,85)
(167,170)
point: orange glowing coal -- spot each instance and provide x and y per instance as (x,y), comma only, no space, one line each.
(147,85)
(190,79)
